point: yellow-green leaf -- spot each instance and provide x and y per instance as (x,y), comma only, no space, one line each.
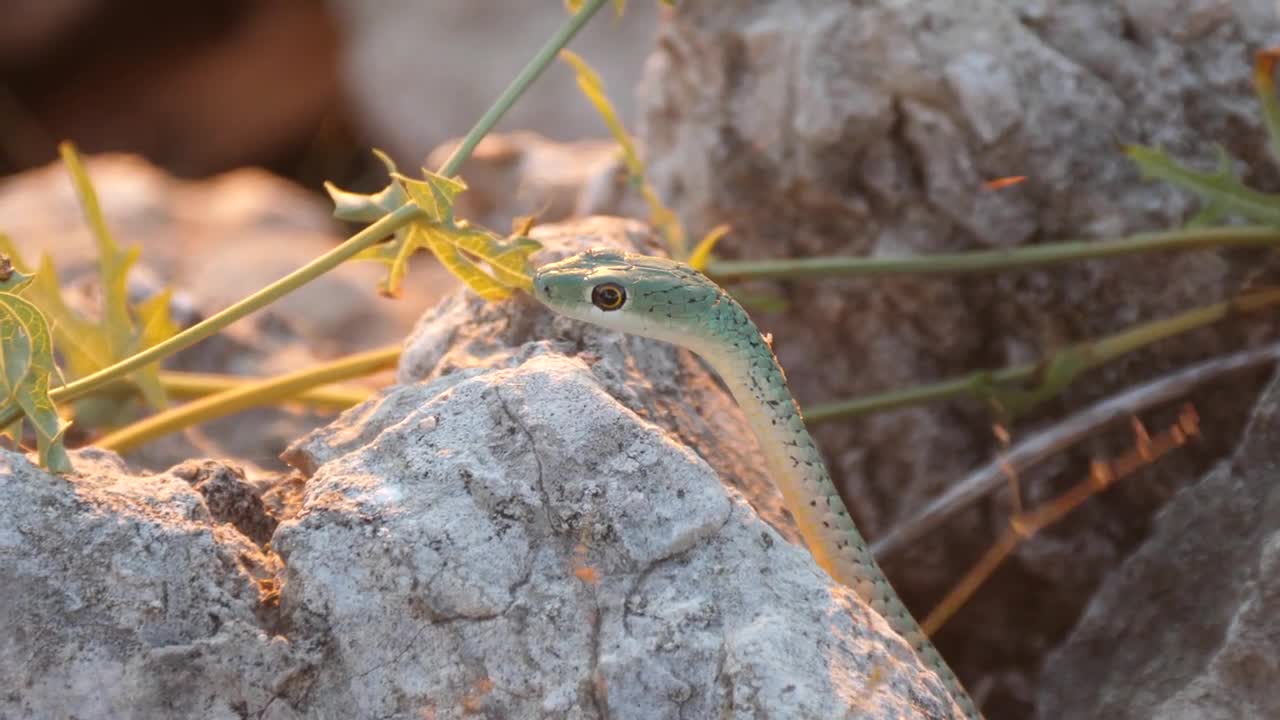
(592,87)
(460,265)
(15,356)
(113,263)
(358,207)
(619,6)
(32,393)
(83,345)
(660,216)
(701,254)
(434,194)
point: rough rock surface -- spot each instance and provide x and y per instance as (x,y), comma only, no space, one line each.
(868,129)
(507,537)
(517,543)
(1189,625)
(122,596)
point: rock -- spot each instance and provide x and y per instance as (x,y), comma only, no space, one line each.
(122,596)
(1188,626)
(519,544)
(505,537)
(229,496)
(400,67)
(869,129)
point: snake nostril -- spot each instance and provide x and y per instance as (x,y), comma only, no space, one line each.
(546,290)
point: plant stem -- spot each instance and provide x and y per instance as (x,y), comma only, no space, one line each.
(375,232)
(190,386)
(517,87)
(985,261)
(246,396)
(1096,353)
(260,299)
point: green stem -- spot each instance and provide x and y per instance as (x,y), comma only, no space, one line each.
(1096,353)
(194,334)
(375,232)
(247,396)
(191,386)
(517,87)
(985,261)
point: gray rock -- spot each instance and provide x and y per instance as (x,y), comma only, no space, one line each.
(506,537)
(868,129)
(121,596)
(1189,625)
(517,543)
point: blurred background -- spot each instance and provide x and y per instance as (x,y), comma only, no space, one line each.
(301,87)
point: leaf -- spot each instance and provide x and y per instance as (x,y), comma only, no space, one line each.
(458,264)
(1057,372)
(155,326)
(367,208)
(113,263)
(32,392)
(619,6)
(701,254)
(592,87)
(1212,212)
(660,216)
(434,194)
(16,354)
(1216,189)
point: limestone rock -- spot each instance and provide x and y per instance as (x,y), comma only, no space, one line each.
(1189,625)
(121,596)
(516,542)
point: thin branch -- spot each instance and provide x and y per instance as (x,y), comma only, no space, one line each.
(1062,435)
(1093,353)
(988,261)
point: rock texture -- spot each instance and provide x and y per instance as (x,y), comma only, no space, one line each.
(868,129)
(502,535)
(1189,625)
(122,596)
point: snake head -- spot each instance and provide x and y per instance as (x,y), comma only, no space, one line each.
(638,294)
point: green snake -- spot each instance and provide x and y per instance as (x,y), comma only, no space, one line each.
(667,300)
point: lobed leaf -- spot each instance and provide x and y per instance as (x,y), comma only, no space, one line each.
(15,356)
(1224,192)
(458,264)
(357,207)
(434,194)
(31,393)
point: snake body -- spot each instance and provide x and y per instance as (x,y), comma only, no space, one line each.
(666,300)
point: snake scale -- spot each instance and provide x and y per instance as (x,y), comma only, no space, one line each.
(667,300)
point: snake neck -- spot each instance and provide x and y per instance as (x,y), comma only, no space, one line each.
(741,356)
(735,349)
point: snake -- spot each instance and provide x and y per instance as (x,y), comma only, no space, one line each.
(670,301)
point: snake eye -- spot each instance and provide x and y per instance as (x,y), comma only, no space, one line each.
(608,296)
